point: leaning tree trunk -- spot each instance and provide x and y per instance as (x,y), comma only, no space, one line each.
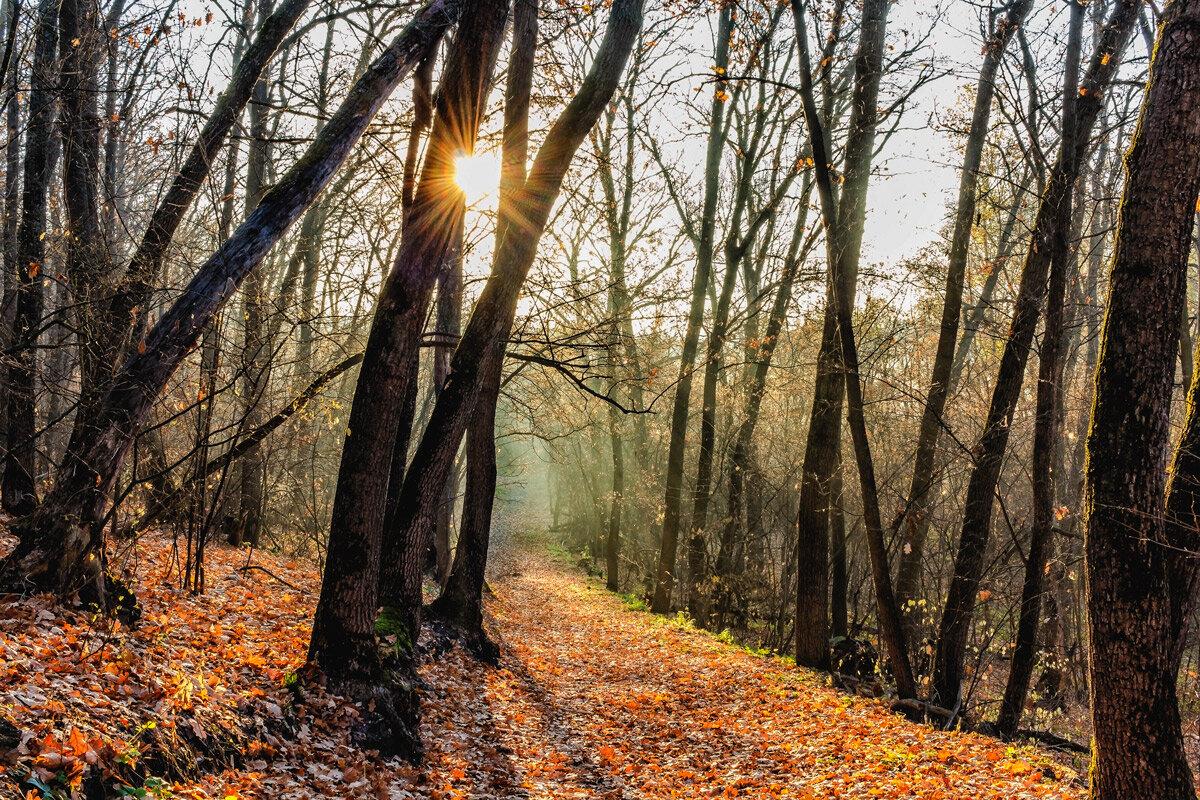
(989,452)
(60,543)
(940,385)
(19,492)
(1130,548)
(461,602)
(1046,428)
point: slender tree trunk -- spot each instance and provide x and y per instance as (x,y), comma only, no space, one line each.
(740,453)
(19,492)
(705,247)
(312,228)
(845,219)
(9,277)
(1135,601)
(88,267)
(697,545)
(461,603)
(917,507)
(989,453)
(849,221)
(612,544)
(255,346)
(1046,430)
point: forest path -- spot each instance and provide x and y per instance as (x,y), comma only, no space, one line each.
(594,700)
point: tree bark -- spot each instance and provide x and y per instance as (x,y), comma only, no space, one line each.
(845,219)
(1134,597)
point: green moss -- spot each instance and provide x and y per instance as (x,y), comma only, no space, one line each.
(393,630)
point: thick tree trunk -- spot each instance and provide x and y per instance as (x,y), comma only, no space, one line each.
(955,624)
(940,387)
(343,638)
(1133,596)
(705,247)
(59,542)
(19,494)
(1046,430)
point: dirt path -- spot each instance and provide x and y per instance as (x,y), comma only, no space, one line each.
(594,700)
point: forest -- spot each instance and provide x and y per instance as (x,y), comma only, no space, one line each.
(550,398)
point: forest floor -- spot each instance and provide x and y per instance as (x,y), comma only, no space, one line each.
(591,699)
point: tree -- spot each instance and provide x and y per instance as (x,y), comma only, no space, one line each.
(19,489)
(916,512)
(1129,545)
(988,454)
(705,238)
(1045,442)
(60,549)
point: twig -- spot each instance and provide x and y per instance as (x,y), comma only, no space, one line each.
(273,575)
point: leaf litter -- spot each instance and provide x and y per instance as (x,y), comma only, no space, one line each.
(590,700)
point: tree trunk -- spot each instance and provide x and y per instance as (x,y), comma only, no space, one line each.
(917,506)
(612,545)
(988,454)
(87,266)
(343,638)
(19,492)
(1134,599)
(1046,430)
(255,346)
(845,220)
(461,603)
(705,248)
(522,218)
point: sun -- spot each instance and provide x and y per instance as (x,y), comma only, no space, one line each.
(478,176)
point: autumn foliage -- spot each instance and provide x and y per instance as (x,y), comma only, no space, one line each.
(590,699)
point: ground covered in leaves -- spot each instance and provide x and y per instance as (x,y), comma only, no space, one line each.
(591,700)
